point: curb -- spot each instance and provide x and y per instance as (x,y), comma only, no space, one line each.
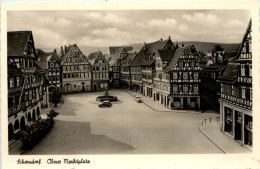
(211,140)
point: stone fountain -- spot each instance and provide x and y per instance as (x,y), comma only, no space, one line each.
(106,97)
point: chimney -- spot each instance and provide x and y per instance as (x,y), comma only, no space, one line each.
(177,45)
(216,57)
(144,45)
(169,37)
(62,52)
(65,48)
(161,39)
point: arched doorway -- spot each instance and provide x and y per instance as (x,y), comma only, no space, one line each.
(22,123)
(38,112)
(79,89)
(16,125)
(10,132)
(29,117)
(33,116)
(67,88)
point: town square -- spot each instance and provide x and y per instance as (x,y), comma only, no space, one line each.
(110,82)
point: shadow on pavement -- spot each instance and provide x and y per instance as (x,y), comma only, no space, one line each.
(75,138)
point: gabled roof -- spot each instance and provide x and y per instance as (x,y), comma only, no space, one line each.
(41,65)
(129,59)
(230,73)
(166,55)
(117,55)
(149,48)
(67,49)
(177,54)
(230,55)
(16,42)
(93,56)
(244,38)
(42,56)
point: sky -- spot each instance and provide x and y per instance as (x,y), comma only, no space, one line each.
(103,28)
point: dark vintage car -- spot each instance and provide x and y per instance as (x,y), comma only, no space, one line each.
(105,104)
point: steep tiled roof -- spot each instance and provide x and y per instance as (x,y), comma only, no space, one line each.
(117,55)
(92,56)
(42,56)
(128,60)
(166,55)
(151,48)
(16,42)
(42,65)
(229,55)
(67,52)
(177,54)
(230,73)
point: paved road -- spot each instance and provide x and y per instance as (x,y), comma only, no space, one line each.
(126,128)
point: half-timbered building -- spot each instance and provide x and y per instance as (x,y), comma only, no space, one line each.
(126,71)
(161,81)
(147,55)
(185,68)
(236,94)
(25,83)
(76,70)
(54,72)
(100,71)
(115,65)
(210,86)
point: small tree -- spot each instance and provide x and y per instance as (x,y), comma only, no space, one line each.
(56,98)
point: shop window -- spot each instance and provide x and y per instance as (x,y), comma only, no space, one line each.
(228,120)
(248,137)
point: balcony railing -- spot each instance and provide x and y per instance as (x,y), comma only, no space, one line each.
(146,71)
(28,70)
(237,100)
(185,93)
(147,80)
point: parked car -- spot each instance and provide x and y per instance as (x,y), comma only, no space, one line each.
(138,99)
(105,104)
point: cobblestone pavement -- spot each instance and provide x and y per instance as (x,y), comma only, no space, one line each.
(126,128)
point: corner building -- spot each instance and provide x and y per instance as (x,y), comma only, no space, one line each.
(236,94)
